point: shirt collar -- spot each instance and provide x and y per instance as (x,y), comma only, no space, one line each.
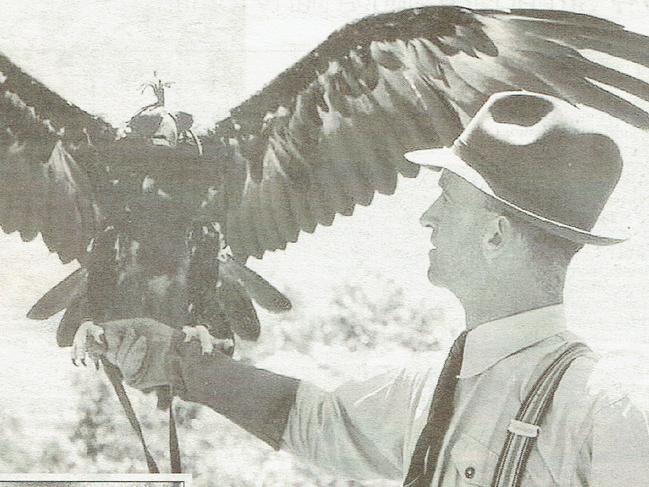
(491,342)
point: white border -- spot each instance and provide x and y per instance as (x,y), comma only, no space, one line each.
(99,477)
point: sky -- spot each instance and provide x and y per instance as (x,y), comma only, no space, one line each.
(97,54)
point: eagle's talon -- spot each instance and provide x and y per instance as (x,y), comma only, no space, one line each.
(203,335)
(80,341)
(227,345)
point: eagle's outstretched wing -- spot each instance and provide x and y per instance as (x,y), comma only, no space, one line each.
(330,131)
(47,183)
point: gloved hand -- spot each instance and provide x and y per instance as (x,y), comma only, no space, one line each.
(150,354)
(140,348)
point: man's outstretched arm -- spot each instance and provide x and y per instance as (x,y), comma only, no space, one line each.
(357,430)
(151,354)
(257,400)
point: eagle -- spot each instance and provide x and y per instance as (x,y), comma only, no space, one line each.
(162,220)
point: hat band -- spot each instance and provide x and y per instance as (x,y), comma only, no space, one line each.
(468,154)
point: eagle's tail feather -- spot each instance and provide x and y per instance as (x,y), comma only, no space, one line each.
(76,313)
(237,308)
(259,289)
(60,296)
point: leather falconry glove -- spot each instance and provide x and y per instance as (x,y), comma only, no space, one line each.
(150,354)
(139,347)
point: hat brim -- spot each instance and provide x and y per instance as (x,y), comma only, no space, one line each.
(446,158)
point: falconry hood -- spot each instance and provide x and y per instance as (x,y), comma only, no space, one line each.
(160,126)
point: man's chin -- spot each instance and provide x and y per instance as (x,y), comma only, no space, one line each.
(434,277)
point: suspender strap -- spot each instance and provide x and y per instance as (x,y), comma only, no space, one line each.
(524,429)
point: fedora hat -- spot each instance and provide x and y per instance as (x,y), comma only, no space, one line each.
(541,157)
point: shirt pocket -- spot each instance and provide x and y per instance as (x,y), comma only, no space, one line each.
(537,472)
(473,462)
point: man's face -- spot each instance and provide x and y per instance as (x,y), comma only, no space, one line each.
(456,220)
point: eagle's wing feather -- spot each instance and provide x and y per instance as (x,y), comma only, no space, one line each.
(330,131)
(48,181)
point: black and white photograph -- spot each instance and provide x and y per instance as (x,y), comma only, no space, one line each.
(307,243)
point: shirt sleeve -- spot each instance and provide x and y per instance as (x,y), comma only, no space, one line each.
(616,451)
(359,429)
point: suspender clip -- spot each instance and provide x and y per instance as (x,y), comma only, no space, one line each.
(523,429)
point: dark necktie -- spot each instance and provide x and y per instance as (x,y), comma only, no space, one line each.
(429,444)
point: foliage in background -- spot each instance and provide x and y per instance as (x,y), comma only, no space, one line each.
(359,333)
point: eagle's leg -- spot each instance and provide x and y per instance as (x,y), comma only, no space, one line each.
(89,338)
(206,244)
(80,347)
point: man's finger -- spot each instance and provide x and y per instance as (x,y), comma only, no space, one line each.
(119,344)
(97,346)
(124,349)
(131,362)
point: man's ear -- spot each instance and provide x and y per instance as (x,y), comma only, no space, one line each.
(497,233)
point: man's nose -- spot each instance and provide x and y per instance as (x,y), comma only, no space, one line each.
(427,219)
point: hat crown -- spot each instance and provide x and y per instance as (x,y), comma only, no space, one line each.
(540,155)
(520,109)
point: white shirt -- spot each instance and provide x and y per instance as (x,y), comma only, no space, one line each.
(590,436)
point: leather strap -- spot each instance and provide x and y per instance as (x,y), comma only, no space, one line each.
(174,448)
(115,377)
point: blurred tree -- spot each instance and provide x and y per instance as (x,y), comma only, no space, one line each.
(359,316)
(15,456)
(94,426)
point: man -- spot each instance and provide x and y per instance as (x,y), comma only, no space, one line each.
(522,188)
